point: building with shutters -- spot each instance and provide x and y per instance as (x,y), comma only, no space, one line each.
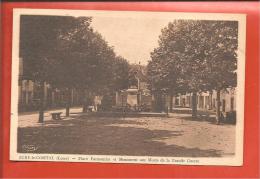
(207,100)
(29,94)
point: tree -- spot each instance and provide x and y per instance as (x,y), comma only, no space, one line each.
(202,54)
(71,51)
(221,66)
(83,62)
(66,52)
(116,80)
(166,67)
(163,74)
(38,42)
(99,70)
(120,70)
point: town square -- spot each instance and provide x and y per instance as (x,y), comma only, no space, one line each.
(176,135)
(128,84)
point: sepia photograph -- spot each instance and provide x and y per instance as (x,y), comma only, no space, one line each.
(128,87)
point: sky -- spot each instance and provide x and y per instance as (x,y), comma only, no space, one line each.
(132,38)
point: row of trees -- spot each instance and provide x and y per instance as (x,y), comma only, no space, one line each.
(67,53)
(195,56)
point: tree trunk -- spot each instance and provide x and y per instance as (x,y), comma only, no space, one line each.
(194,105)
(41,108)
(159,103)
(171,102)
(82,99)
(218,116)
(210,100)
(86,100)
(68,102)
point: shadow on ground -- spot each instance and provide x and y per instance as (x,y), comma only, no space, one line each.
(88,135)
(202,118)
(210,119)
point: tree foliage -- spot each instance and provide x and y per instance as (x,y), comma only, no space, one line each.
(120,70)
(195,56)
(39,39)
(67,53)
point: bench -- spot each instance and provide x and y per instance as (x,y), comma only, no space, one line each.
(56,115)
(203,114)
(90,108)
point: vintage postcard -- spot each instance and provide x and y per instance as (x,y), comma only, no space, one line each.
(128,87)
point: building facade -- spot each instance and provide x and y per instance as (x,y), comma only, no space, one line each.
(207,100)
(29,94)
